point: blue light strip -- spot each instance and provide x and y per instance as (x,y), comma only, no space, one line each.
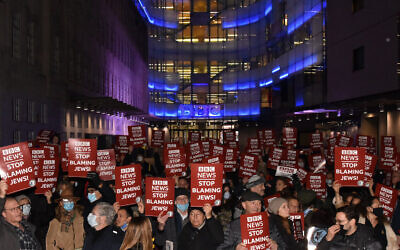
(248,20)
(162,86)
(266,83)
(200,84)
(154,21)
(300,20)
(276,69)
(283,76)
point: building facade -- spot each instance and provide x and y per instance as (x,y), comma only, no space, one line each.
(76,67)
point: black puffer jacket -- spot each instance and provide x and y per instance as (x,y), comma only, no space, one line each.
(362,239)
(279,234)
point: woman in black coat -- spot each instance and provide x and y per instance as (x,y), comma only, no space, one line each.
(280,228)
(203,231)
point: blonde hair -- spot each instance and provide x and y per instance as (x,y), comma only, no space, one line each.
(138,232)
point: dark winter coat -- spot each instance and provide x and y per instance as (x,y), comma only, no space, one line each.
(172,229)
(106,239)
(279,234)
(362,239)
(206,238)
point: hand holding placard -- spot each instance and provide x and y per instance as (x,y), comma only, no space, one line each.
(3,188)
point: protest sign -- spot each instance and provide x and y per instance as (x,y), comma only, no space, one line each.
(253,146)
(388,158)
(121,144)
(206,147)
(297,220)
(387,198)
(269,138)
(194,152)
(289,158)
(370,163)
(275,156)
(344,141)
(106,164)
(47,175)
(289,138)
(255,230)
(349,166)
(16,167)
(229,136)
(38,155)
(194,136)
(157,138)
(169,145)
(44,136)
(314,161)
(128,181)
(285,171)
(230,160)
(206,184)
(64,156)
(82,157)
(160,196)
(363,141)
(175,162)
(316,141)
(248,165)
(317,183)
(137,135)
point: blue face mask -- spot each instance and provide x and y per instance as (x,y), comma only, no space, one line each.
(91,197)
(183,207)
(124,226)
(68,206)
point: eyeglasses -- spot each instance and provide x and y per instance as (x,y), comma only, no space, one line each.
(14,209)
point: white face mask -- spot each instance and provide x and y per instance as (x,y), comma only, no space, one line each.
(26,209)
(140,158)
(92,220)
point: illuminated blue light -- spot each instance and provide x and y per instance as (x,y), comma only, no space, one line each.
(200,84)
(284,76)
(299,100)
(276,69)
(239,86)
(248,20)
(154,21)
(300,20)
(162,86)
(266,83)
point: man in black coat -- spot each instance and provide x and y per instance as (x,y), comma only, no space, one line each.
(15,234)
(203,231)
(347,234)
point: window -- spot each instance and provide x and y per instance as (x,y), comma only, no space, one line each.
(17,109)
(16,35)
(86,120)
(358,5)
(43,113)
(358,58)
(31,111)
(30,42)
(71,119)
(79,135)
(79,120)
(72,135)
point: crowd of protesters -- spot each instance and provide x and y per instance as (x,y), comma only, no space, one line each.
(82,213)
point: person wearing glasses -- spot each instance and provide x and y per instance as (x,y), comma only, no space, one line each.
(15,233)
(348,234)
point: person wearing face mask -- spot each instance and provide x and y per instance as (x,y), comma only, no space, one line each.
(280,228)
(66,229)
(225,211)
(169,228)
(347,234)
(381,227)
(102,234)
(124,216)
(25,202)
